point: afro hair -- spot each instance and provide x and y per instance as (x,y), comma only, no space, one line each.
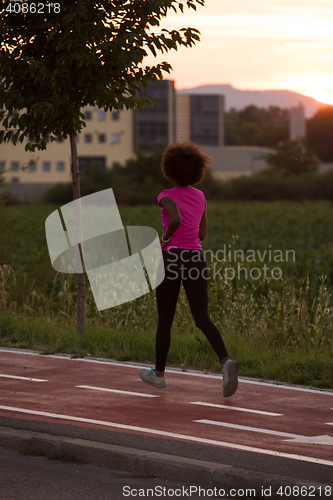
(184,163)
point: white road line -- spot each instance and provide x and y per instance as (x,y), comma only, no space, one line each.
(330,423)
(23,378)
(128,393)
(248,410)
(326,440)
(172,435)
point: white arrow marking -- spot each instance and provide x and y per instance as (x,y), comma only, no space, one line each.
(327,440)
(172,435)
(238,409)
(128,393)
(23,378)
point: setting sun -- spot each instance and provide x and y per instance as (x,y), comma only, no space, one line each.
(257,45)
(319,95)
(316,85)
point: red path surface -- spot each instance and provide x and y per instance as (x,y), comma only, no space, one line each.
(259,417)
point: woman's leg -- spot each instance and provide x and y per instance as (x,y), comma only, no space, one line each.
(166,297)
(196,288)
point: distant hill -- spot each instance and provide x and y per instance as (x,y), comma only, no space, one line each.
(239,99)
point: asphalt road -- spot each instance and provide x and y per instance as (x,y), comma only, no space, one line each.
(264,428)
(23,477)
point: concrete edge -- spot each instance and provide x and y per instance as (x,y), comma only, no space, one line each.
(131,460)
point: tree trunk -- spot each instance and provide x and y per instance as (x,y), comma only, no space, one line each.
(80,278)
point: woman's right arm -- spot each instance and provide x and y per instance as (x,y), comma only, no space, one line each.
(175,218)
(203,227)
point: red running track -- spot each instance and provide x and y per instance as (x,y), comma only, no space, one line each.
(269,419)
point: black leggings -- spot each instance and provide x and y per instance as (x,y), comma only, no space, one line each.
(189,267)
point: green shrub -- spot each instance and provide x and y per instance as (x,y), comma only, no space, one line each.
(138,182)
(272,186)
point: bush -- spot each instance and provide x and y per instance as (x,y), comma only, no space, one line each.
(139,182)
(319,131)
(293,158)
(58,195)
(268,186)
(5,198)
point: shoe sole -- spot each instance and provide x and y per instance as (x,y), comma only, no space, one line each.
(230,382)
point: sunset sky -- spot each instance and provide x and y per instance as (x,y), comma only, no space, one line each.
(256,45)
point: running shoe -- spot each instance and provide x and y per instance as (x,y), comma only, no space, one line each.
(150,378)
(230,378)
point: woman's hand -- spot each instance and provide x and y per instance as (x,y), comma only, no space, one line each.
(163,243)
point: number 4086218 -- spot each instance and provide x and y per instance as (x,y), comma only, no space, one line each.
(33,8)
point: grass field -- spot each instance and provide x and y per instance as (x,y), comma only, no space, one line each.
(270,293)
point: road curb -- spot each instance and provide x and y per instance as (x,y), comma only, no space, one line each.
(135,461)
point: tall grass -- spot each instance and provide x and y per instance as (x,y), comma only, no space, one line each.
(277,329)
(284,338)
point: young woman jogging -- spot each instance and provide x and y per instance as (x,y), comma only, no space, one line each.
(184,221)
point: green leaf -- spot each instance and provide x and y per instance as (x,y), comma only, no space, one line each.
(89,54)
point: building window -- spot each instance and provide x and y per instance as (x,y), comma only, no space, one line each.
(32,166)
(101,138)
(15,180)
(88,138)
(15,166)
(85,161)
(60,139)
(87,115)
(115,138)
(46,166)
(205,120)
(2,165)
(101,116)
(60,166)
(115,115)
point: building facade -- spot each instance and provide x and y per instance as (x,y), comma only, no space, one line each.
(154,126)
(200,118)
(112,137)
(297,123)
(234,161)
(106,139)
